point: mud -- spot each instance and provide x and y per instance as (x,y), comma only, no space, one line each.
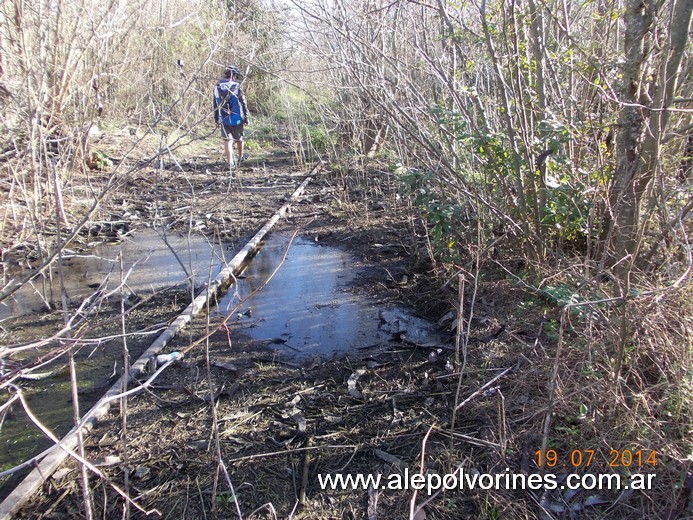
(243,403)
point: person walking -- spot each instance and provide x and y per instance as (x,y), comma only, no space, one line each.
(231,113)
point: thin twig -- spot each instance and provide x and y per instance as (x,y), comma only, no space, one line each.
(124,400)
(480,390)
(215,421)
(413,510)
(295,450)
(86,494)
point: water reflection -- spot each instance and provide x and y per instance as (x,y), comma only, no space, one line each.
(154,266)
(307,305)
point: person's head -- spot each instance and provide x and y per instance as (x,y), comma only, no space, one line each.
(232,72)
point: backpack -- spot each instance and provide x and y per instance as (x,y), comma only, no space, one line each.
(226,95)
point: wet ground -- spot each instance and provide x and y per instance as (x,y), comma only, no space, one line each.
(165,240)
(309,309)
(154,265)
(328,329)
(152,259)
(293,386)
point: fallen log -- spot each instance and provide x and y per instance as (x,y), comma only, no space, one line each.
(54,457)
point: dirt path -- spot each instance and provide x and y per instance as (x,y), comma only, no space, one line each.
(278,428)
(253,397)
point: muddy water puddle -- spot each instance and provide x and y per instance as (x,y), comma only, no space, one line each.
(152,264)
(151,260)
(309,309)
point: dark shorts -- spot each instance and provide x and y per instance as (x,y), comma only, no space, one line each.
(232,132)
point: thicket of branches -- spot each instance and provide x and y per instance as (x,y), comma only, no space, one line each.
(554,130)
(558,130)
(67,66)
(568,124)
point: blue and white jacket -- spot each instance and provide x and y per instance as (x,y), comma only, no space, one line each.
(229,103)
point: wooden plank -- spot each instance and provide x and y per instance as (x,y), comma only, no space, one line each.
(54,457)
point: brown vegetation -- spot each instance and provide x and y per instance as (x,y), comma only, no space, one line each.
(528,163)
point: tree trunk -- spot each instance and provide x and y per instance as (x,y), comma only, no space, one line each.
(642,121)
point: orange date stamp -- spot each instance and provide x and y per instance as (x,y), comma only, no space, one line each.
(586,458)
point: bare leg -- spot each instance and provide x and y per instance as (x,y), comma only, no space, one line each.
(227,150)
(239,147)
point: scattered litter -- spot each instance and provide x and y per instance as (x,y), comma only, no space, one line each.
(491,391)
(403,326)
(198,445)
(300,421)
(238,414)
(390,459)
(433,355)
(248,313)
(141,472)
(108,460)
(397,418)
(568,503)
(162,359)
(351,383)
(293,402)
(226,434)
(61,473)
(226,366)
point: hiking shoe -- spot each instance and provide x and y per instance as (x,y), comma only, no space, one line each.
(243,158)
